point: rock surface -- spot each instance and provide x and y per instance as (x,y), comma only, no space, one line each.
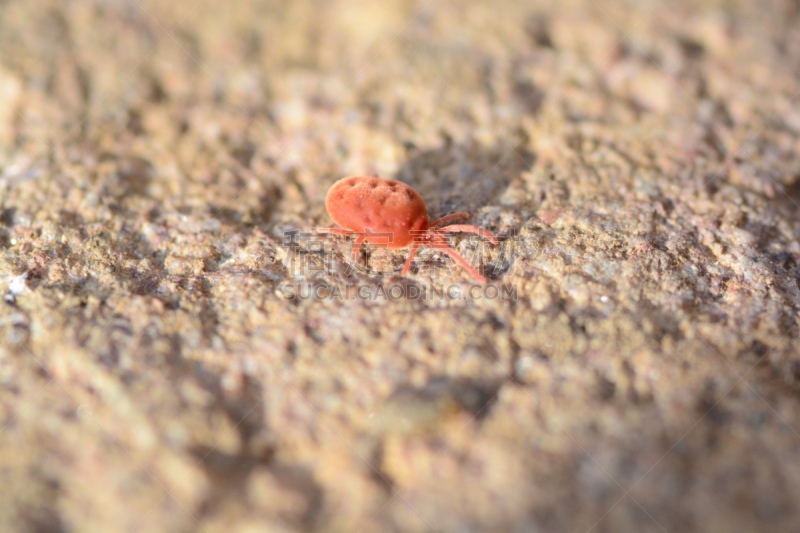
(178,354)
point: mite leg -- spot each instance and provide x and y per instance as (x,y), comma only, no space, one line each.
(447,218)
(410,259)
(334,231)
(466,228)
(458,258)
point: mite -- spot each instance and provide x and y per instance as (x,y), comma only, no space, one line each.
(392,214)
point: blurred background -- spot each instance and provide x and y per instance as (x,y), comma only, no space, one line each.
(640,159)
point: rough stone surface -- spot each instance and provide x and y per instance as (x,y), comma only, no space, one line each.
(640,162)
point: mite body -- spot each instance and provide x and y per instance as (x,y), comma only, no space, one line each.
(392,214)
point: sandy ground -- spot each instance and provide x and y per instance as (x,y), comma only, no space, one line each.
(179,353)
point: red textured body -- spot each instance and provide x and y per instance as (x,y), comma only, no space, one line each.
(392,214)
(386,211)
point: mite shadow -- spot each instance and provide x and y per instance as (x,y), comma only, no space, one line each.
(463,177)
(471,178)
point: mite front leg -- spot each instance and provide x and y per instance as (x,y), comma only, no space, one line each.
(458,258)
(447,218)
(467,228)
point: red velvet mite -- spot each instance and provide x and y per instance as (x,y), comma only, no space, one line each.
(392,214)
